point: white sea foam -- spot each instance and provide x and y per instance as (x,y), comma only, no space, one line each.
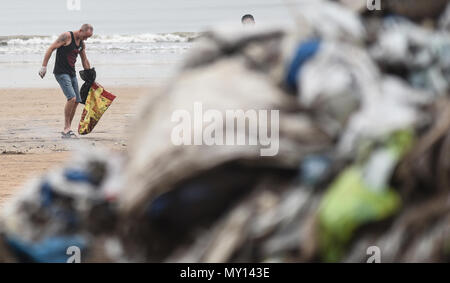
(138,43)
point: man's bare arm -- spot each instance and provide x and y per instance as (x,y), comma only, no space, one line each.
(61,41)
(84,59)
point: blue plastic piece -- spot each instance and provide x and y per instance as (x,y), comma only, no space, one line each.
(305,51)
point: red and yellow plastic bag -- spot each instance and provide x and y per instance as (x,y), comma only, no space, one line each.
(97,102)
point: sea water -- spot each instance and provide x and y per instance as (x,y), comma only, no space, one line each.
(136,42)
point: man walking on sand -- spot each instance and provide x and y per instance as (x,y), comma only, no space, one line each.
(68,45)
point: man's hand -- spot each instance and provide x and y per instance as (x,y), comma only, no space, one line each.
(43,71)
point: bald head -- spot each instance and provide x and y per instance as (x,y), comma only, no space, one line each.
(86,31)
(87,27)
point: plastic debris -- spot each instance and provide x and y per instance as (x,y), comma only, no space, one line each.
(363,160)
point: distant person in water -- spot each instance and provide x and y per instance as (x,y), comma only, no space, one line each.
(68,45)
(248,20)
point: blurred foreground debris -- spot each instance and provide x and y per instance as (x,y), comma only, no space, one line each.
(364,153)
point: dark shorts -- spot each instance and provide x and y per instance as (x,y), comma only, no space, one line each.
(69,86)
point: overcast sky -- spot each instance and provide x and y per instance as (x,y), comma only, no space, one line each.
(45,17)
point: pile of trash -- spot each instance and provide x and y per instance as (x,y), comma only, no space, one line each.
(363,159)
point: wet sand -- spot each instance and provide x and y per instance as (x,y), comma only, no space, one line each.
(30,124)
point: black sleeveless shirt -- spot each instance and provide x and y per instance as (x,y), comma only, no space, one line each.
(66,57)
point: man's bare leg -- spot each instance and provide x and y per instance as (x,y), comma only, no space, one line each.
(74,109)
(68,114)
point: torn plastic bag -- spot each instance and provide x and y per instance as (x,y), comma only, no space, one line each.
(361,195)
(391,105)
(88,76)
(97,102)
(419,55)
(347,205)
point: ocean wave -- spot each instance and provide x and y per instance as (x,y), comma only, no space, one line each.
(139,43)
(104,39)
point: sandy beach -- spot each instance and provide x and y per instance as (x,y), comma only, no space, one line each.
(30,123)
